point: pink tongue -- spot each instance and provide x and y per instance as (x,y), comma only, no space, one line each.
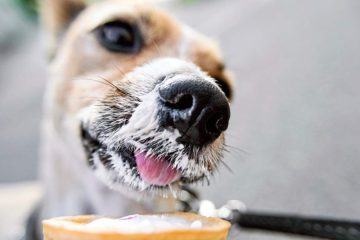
(155,170)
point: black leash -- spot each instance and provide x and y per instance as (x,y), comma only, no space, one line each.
(299,225)
(236,212)
(334,229)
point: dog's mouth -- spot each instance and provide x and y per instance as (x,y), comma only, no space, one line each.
(156,171)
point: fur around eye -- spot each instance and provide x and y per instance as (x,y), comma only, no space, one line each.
(119,36)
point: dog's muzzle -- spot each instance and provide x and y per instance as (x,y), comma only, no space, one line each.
(167,128)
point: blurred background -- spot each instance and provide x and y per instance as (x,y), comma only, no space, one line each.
(294,136)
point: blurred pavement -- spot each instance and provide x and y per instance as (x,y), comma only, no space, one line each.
(295,130)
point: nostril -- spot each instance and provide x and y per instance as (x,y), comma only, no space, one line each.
(180,102)
(216,123)
(221,124)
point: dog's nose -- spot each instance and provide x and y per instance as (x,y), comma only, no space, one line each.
(198,109)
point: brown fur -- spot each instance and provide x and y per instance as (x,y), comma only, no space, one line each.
(80,54)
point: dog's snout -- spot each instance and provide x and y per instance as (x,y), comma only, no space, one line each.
(198,109)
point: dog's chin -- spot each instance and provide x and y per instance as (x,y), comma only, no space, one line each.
(124,168)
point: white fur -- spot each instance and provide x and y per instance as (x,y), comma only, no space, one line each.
(143,83)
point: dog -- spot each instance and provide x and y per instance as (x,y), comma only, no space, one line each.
(136,107)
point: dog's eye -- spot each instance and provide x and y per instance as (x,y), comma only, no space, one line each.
(119,36)
(225,87)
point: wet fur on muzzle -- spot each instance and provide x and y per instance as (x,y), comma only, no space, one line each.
(127,121)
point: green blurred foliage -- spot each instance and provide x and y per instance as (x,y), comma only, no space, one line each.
(28,7)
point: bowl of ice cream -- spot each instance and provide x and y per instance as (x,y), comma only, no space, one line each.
(167,226)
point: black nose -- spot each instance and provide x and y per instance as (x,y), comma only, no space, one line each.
(198,109)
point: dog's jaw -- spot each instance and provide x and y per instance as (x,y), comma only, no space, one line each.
(126,123)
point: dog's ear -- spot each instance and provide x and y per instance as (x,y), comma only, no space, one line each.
(56,16)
